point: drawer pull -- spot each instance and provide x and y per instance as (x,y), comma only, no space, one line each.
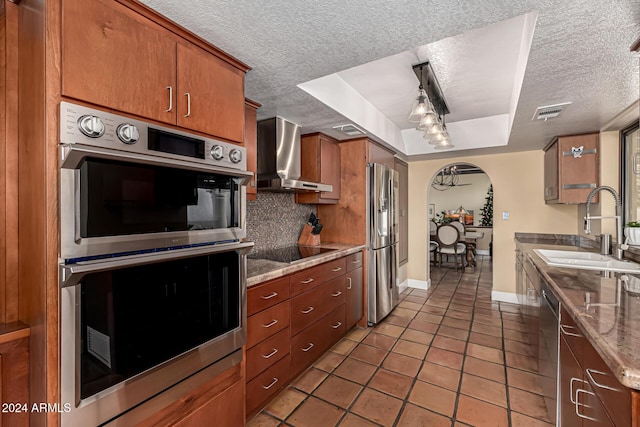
(571,393)
(270,324)
(271,295)
(356,261)
(307,311)
(268,356)
(337,294)
(578,404)
(606,387)
(348,282)
(309,347)
(306,282)
(337,325)
(335,270)
(570,334)
(267,387)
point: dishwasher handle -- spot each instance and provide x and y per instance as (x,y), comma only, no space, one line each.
(551,301)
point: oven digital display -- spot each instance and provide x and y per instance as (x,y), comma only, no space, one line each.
(175,144)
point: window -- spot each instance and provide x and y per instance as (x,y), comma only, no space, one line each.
(631,172)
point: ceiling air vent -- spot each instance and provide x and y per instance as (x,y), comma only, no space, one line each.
(350,129)
(549,111)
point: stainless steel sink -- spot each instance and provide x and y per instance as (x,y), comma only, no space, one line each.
(586,261)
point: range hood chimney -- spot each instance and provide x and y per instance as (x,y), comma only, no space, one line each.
(279,158)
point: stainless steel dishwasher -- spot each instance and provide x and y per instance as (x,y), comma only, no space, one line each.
(548,349)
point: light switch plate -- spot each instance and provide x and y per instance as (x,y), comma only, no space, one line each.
(505,214)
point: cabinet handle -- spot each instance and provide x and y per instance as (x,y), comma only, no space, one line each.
(306,282)
(356,261)
(606,387)
(348,282)
(170,99)
(571,393)
(307,311)
(268,325)
(337,294)
(267,356)
(578,404)
(271,295)
(335,270)
(570,334)
(309,347)
(267,387)
(337,325)
(188,95)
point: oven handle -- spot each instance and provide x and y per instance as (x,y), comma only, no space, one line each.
(72,274)
(72,155)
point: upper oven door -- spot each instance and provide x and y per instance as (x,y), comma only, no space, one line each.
(119,202)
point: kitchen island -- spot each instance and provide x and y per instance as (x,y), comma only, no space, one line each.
(599,334)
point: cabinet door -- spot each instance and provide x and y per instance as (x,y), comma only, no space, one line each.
(210,95)
(251,144)
(578,175)
(330,167)
(354,297)
(115,58)
(551,173)
(570,381)
(403,211)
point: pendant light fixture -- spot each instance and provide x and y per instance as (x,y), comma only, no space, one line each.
(429,109)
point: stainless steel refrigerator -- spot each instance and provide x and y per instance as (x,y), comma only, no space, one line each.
(382,241)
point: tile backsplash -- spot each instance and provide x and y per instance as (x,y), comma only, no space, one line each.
(275,220)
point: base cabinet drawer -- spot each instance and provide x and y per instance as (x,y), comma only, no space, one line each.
(308,345)
(315,276)
(268,322)
(267,295)
(267,384)
(267,353)
(311,306)
(354,261)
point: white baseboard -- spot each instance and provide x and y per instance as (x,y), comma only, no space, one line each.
(402,286)
(504,297)
(482,251)
(418,284)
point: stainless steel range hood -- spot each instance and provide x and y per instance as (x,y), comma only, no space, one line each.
(279,158)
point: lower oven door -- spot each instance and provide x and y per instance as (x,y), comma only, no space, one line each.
(131,328)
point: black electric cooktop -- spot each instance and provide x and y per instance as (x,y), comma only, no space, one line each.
(289,253)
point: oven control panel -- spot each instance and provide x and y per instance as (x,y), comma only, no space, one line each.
(88,126)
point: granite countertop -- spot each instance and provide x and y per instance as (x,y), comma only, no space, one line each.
(614,331)
(261,270)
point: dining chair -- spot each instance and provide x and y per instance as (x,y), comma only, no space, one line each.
(433,244)
(448,238)
(459,226)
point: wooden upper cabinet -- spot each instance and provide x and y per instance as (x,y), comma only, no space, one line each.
(119,59)
(251,144)
(320,162)
(572,168)
(210,94)
(111,58)
(379,154)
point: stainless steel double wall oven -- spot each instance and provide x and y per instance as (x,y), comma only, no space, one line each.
(152,260)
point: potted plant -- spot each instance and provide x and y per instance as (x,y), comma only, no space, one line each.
(632,232)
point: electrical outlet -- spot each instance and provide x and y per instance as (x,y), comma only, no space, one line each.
(505,214)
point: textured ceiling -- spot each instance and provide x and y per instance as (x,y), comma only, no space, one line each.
(579,52)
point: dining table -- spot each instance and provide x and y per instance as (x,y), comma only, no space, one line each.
(469,238)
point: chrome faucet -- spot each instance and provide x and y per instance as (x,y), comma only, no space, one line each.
(620,246)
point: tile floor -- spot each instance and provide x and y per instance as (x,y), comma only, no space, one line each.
(448,356)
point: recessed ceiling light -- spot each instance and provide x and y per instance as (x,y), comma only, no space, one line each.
(549,111)
(350,129)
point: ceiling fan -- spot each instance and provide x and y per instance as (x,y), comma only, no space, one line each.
(447,178)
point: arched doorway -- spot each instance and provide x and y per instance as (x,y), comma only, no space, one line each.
(462,192)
